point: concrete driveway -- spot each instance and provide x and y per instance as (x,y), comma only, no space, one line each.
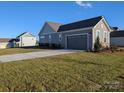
(31,55)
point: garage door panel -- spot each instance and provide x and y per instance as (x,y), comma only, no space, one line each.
(77,42)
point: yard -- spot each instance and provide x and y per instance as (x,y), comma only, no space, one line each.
(81,71)
(18,50)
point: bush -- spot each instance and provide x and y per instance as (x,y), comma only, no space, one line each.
(97,45)
(56,46)
(53,45)
(44,45)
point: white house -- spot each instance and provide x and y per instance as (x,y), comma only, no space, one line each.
(26,39)
(5,43)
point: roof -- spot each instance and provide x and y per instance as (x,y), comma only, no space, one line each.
(5,39)
(14,39)
(80,24)
(119,33)
(114,28)
(55,26)
(23,34)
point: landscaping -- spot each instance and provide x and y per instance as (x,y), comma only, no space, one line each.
(83,71)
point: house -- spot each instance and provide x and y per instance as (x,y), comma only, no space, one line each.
(117,38)
(77,35)
(25,39)
(5,43)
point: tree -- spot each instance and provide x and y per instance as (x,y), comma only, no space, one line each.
(97,45)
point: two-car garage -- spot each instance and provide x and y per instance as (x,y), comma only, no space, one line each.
(78,41)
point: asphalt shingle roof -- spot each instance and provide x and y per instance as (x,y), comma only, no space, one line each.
(80,24)
(24,33)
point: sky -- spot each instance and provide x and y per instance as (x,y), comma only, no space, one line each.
(19,17)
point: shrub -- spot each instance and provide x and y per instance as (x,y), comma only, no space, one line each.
(56,46)
(97,45)
(44,45)
(52,45)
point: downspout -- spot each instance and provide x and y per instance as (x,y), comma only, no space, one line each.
(93,39)
(21,41)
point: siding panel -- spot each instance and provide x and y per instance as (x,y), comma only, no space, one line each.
(117,41)
(101,26)
(55,37)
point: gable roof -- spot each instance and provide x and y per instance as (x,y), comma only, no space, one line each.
(5,39)
(24,33)
(80,24)
(119,33)
(21,34)
(54,26)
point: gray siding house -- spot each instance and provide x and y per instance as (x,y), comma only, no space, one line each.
(77,35)
(117,38)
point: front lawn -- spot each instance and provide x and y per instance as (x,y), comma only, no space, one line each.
(18,50)
(71,72)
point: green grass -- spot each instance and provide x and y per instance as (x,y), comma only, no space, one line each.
(18,50)
(71,72)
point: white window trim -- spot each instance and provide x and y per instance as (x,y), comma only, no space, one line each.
(105,36)
(50,37)
(60,37)
(97,33)
(102,26)
(42,37)
(108,37)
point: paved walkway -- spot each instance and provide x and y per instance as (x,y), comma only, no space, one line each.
(31,55)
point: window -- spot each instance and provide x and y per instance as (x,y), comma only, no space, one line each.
(101,25)
(97,33)
(42,37)
(49,37)
(105,36)
(108,37)
(60,37)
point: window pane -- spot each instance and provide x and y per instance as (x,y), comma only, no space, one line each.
(49,36)
(42,37)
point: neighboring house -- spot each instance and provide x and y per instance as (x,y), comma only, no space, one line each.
(114,29)
(117,38)
(77,35)
(26,39)
(5,43)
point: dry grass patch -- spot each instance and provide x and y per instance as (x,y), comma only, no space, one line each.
(71,72)
(18,50)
